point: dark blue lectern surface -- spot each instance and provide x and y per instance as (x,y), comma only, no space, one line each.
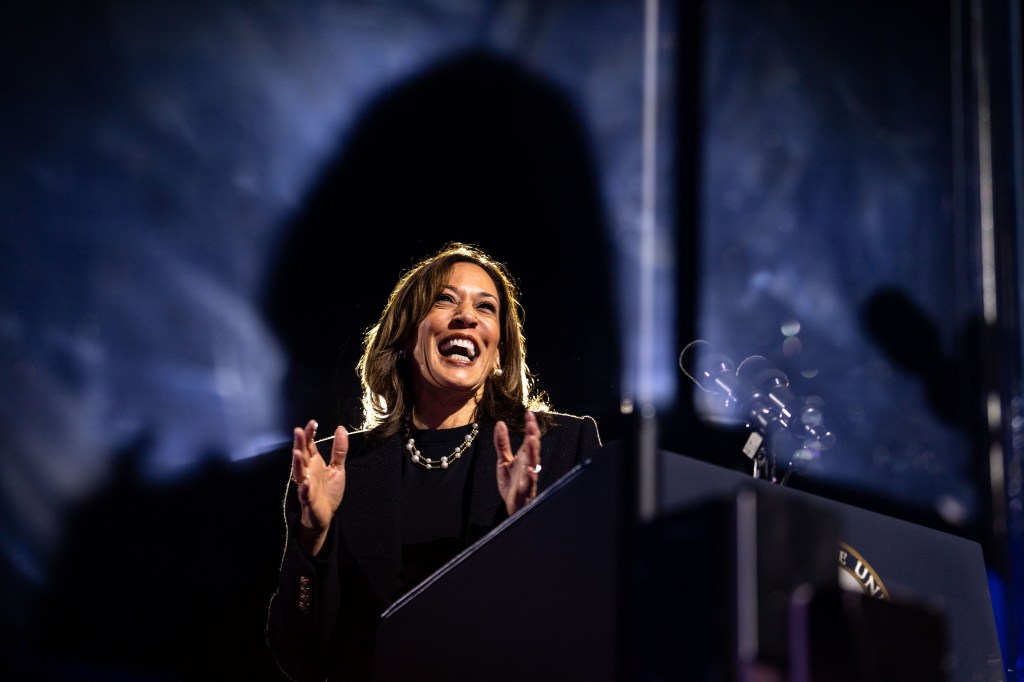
(567,590)
(897,558)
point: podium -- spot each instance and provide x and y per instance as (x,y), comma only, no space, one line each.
(735,579)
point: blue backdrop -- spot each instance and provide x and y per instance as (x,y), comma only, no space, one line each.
(203,207)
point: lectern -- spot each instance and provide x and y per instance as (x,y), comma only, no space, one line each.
(736,578)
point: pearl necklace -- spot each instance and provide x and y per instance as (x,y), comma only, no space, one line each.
(443,462)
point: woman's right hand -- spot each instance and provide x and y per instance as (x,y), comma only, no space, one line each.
(320,485)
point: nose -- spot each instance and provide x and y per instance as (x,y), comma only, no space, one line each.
(465,315)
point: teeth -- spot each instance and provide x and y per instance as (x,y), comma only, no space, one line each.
(463,343)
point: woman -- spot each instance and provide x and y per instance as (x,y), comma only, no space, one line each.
(451,446)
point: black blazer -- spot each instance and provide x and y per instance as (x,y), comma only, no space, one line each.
(323,617)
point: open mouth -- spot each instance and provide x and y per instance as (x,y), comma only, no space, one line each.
(458,349)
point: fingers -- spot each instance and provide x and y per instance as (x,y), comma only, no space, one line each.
(299,456)
(339,451)
(303,450)
(517,475)
(529,451)
(530,422)
(502,444)
(527,466)
(528,458)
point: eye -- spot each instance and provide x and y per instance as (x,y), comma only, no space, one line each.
(488,306)
(444,297)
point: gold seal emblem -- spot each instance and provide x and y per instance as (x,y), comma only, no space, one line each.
(856,573)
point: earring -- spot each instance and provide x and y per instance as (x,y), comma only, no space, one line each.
(401,354)
(498,371)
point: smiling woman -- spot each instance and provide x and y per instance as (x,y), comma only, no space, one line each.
(456,347)
(450,446)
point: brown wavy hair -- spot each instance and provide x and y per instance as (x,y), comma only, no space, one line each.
(384,372)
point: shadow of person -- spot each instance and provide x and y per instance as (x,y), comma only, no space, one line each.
(164,580)
(911,341)
(474,149)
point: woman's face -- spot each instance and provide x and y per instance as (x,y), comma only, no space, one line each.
(457,342)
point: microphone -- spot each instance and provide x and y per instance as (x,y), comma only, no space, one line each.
(758,392)
(771,385)
(711,370)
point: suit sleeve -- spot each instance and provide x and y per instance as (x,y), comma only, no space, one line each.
(304,608)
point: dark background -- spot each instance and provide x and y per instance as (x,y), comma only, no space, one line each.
(203,207)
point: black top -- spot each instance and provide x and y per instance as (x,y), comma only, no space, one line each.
(435,504)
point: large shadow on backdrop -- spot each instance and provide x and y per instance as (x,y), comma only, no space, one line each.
(475,150)
(173,582)
(951,383)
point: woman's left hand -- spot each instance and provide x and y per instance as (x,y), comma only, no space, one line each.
(517,474)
